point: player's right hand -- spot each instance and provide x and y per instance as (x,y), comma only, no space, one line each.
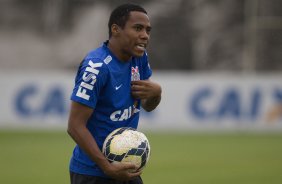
(122,171)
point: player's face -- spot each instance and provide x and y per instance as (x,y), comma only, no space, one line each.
(135,35)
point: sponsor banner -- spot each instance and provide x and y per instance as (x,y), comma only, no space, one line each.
(211,101)
(35,99)
(218,101)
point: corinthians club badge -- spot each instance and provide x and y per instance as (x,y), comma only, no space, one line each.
(135,75)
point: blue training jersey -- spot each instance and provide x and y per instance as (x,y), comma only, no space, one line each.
(103,83)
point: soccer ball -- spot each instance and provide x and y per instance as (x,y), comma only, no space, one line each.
(127,145)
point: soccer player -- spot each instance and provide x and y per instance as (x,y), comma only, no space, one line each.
(111,85)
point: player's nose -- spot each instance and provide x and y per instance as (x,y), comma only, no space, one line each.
(145,35)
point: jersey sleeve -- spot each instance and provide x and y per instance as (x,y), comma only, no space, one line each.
(90,79)
(146,69)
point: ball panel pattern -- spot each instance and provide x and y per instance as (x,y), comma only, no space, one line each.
(127,145)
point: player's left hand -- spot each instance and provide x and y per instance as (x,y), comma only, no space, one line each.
(145,89)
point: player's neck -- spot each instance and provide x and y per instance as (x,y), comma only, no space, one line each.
(117,51)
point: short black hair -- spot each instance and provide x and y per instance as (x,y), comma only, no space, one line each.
(120,15)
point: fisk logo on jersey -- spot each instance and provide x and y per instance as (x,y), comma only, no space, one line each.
(89,79)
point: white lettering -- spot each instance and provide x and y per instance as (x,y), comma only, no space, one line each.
(130,111)
(125,114)
(85,85)
(93,67)
(90,73)
(88,76)
(114,115)
(81,92)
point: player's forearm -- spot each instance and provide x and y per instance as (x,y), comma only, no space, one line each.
(151,103)
(85,141)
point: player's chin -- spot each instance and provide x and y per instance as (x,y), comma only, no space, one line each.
(138,53)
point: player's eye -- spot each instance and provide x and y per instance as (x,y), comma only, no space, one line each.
(148,30)
(138,28)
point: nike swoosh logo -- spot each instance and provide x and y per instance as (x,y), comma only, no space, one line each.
(117,87)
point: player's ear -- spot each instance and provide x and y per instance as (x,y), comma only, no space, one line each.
(115,30)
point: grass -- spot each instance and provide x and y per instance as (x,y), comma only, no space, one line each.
(216,158)
(39,157)
(34,157)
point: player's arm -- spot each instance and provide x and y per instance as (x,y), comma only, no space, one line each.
(148,91)
(79,115)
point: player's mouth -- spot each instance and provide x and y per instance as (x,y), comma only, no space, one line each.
(141,46)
